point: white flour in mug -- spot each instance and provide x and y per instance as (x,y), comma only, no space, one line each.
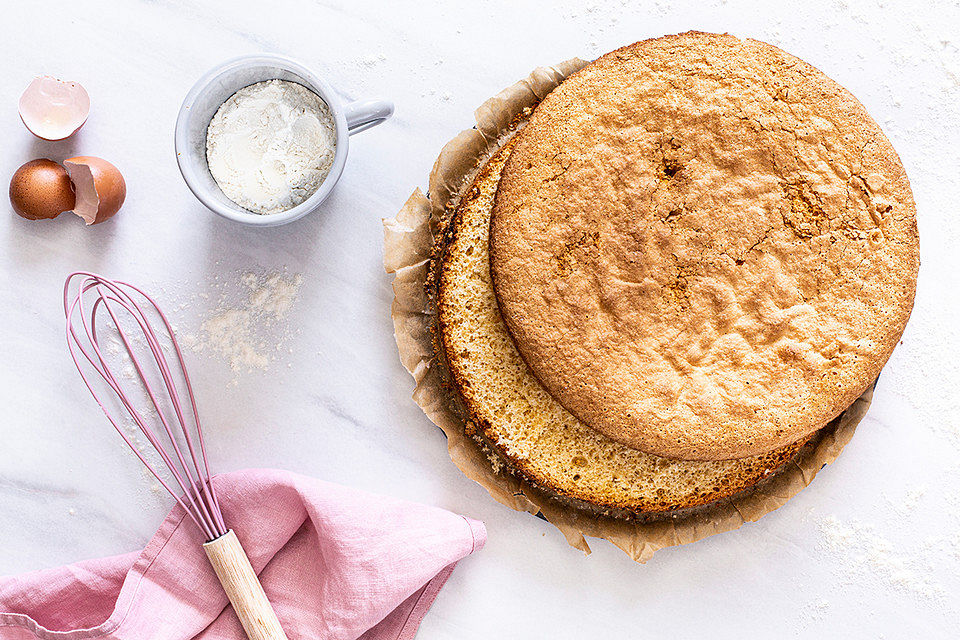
(271,145)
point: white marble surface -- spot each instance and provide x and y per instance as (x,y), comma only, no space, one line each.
(337,406)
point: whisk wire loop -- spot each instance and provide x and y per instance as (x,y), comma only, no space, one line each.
(118,300)
(157,351)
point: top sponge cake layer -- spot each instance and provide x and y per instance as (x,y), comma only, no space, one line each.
(703,247)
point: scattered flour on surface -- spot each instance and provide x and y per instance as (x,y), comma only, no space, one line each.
(370,60)
(912,499)
(249,331)
(864,553)
(949,543)
(907,502)
(814,611)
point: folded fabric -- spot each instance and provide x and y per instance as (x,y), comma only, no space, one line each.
(336,563)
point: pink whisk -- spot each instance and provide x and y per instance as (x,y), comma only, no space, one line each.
(175,435)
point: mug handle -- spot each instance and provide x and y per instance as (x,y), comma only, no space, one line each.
(362,115)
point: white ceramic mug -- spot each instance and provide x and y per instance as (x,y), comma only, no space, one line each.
(221,82)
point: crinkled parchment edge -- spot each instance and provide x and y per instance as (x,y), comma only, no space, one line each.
(408,248)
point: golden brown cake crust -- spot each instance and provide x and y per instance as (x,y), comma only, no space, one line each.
(521,426)
(703,247)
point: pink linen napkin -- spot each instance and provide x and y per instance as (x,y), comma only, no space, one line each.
(336,563)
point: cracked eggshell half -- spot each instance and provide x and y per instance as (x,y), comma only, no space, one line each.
(99,187)
(54,109)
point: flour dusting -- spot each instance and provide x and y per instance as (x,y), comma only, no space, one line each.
(865,553)
(250,330)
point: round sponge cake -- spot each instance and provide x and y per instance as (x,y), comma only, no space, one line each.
(522,425)
(703,247)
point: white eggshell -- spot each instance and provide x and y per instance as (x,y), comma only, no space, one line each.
(54,109)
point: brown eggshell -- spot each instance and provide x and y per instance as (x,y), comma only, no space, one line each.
(41,189)
(99,186)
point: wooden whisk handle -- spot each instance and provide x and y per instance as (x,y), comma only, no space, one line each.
(243,588)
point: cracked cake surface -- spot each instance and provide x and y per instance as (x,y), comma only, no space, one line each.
(703,247)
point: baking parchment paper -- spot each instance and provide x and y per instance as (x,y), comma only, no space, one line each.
(408,247)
